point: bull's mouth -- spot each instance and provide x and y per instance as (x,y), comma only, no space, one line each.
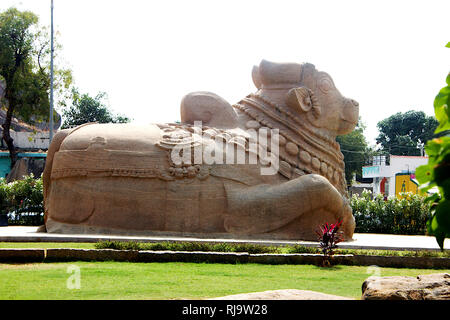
(351,122)
(349,117)
(346,126)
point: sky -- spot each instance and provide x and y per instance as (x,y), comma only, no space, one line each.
(390,56)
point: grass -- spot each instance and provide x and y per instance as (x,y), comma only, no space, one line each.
(218,247)
(123,280)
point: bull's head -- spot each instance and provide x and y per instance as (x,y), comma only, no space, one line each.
(309,94)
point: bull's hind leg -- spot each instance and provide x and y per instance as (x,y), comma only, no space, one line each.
(291,210)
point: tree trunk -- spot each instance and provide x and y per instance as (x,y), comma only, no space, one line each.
(11,104)
(6,129)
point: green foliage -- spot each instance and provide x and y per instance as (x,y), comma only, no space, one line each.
(25,71)
(25,65)
(401,132)
(85,109)
(186,246)
(26,84)
(22,200)
(4,194)
(437,172)
(407,215)
(297,248)
(355,150)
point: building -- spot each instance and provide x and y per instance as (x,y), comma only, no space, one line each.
(394,174)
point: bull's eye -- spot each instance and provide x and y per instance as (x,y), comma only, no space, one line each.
(325,85)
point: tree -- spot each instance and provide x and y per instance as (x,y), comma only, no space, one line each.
(24,67)
(355,150)
(86,109)
(401,133)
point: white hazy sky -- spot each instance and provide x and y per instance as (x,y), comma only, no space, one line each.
(388,55)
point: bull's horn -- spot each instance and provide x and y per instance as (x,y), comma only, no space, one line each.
(274,74)
(256,77)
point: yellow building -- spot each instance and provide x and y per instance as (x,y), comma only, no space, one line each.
(404,182)
(394,174)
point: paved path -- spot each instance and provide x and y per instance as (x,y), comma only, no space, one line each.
(360,240)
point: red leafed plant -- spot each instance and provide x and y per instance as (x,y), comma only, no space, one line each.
(329,237)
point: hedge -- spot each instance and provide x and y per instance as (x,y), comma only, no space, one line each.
(406,215)
(22,201)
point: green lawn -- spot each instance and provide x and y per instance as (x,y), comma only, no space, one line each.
(123,280)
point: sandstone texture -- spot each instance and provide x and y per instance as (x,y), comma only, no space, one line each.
(424,287)
(267,167)
(287,294)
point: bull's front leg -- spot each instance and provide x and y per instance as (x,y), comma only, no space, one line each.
(292,210)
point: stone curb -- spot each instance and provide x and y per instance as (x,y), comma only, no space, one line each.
(90,255)
(402,262)
(144,256)
(193,256)
(22,255)
(298,258)
(53,255)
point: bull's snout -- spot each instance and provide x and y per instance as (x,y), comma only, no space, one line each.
(354,102)
(349,116)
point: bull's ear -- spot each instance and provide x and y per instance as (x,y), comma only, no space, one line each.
(302,99)
(299,99)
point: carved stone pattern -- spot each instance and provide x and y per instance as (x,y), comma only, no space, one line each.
(304,163)
(159,173)
(298,122)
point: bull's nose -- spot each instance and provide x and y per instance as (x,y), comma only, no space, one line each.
(354,102)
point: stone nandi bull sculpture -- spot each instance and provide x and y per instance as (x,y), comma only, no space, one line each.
(157,180)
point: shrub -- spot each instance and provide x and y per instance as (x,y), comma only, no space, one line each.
(3,196)
(297,248)
(23,201)
(329,237)
(406,215)
(186,246)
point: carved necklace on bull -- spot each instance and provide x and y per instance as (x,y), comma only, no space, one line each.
(303,149)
